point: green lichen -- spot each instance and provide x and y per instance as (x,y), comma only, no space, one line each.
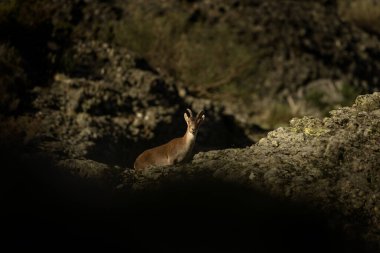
(368,102)
(309,126)
(315,131)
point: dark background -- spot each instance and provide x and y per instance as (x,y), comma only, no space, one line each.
(104,80)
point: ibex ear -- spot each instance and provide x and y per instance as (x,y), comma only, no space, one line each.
(186,117)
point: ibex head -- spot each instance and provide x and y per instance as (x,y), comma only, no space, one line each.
(193,123)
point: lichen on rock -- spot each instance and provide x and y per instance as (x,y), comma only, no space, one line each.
(332,164)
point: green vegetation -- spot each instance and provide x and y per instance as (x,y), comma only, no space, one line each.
(12,79)
(327,100)
(349,94)
(279,114)
(364,13)
(209,58)
(29,13)
(201,55)
(7,7)
(204,45)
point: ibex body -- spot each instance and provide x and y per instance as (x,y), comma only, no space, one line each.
(175,151)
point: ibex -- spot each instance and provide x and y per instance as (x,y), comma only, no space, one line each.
(175,151)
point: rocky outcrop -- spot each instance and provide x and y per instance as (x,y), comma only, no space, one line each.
(74,97)
(12,80)
(302,55)
(115,107)
(281,59)
(331,164)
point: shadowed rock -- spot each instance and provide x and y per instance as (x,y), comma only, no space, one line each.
(331,164)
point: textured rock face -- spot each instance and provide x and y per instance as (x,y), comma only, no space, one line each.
(80,113)
(88,106)
(115,107)
(331,163)
(266,61)
(12,80)
(243,54)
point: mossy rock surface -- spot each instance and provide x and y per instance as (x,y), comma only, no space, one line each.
(331,163)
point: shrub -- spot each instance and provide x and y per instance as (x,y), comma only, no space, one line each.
(12,79)
(363,13)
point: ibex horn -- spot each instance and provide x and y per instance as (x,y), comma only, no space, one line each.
(190,112)
(200,114)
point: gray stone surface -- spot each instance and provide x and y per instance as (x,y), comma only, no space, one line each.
(331,163)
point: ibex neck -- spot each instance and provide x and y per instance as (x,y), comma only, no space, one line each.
(189,137)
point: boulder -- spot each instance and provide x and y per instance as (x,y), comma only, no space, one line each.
(112,108)
(331,164)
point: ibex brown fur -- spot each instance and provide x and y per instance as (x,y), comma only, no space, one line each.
(175,151)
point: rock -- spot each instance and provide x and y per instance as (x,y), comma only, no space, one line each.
(281,60)
(332,164)
(82,114)
(113,110)
(12,80)
(78,96)
(85,168)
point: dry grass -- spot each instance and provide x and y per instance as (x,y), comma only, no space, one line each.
(191,52)
(363,13)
